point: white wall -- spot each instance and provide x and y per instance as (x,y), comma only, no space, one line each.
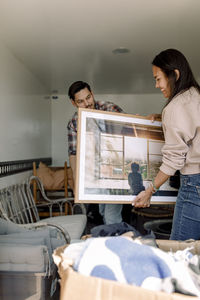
(32,126)
(25,114)
(14,179)
(62,110)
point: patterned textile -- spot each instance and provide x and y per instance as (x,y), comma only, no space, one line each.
(72,125)
(117,229)
(128,261)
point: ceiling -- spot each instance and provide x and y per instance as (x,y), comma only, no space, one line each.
(62,41)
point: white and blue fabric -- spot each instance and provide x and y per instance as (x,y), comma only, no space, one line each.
(128,261)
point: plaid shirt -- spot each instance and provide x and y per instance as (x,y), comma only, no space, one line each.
(72,125)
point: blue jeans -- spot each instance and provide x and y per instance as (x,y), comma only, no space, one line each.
(186,220)
(111,213)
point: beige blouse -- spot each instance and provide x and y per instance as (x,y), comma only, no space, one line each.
(181,126)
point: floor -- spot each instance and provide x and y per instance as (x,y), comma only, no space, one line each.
(95,219)
(136,218)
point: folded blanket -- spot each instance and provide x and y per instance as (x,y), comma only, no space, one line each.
(128,261)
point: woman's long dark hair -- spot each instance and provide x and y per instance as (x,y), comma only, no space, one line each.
(168,61)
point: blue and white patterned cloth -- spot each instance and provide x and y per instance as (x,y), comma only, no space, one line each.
(128,261)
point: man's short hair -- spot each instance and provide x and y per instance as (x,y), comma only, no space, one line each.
(76,87)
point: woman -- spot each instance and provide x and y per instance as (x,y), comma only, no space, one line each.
(181,151)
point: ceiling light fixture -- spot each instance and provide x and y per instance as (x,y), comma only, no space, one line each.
(54,95)
(121,50)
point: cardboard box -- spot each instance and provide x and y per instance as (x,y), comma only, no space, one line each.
(75,286)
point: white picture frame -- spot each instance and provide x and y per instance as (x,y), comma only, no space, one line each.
(107,145)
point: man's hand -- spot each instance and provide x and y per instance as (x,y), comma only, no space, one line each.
(143,198)
(154,117)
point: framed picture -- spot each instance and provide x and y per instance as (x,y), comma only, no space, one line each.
(118,155)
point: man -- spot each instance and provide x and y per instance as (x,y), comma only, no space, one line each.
(82,96)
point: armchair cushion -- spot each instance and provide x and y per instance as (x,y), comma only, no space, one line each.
(28,250)
(7,227)
(7,239)
(40,235)
(45,174)
(51,179)
(23,257)
(74,224)
(58,179)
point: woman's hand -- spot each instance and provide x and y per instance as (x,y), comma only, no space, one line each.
(143,198)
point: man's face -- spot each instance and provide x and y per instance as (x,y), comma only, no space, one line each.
(84,99)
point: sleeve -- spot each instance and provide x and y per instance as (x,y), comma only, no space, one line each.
(72,139)
(113,107)
(176,146)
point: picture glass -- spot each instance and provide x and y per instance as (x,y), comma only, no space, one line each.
(118,156)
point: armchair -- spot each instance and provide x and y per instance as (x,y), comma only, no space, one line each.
(57,180)
(17,205)
(27,270)
(26,265)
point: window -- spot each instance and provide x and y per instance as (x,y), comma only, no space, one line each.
(117,153)
(112,156)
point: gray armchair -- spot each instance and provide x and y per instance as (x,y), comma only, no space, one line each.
(26,264)
(17,205)
(27,270)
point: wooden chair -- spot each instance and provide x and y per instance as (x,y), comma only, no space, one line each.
(66,190)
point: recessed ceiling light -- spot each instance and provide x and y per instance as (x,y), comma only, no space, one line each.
(121,50)
(54,95)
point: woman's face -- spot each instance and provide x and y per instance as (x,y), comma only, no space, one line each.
(162,81)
